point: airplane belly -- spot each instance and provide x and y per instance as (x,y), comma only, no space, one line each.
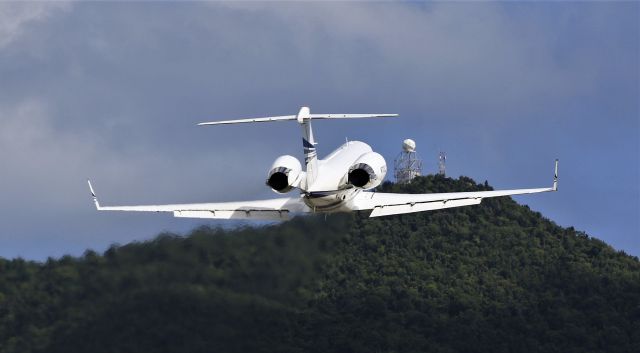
(330,201)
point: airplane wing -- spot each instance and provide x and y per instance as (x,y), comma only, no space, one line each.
(384,204)
(273,209)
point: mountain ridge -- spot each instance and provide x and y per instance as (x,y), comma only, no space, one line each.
(496,277)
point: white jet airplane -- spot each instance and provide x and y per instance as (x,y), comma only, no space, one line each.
(337,183)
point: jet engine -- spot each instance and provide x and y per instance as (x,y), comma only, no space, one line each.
(284,174)
(368,171)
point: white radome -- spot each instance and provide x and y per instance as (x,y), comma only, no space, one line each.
(409,145)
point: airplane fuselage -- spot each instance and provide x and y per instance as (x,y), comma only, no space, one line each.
(332,190)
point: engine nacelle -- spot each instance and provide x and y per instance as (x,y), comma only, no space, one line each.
(284,174)
(368,171)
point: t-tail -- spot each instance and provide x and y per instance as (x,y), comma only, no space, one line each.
(304,118)
(308,145)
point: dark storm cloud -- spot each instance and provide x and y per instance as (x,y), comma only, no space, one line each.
(112,91)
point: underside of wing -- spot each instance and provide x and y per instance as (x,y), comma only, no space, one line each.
(272,209)
(384,204)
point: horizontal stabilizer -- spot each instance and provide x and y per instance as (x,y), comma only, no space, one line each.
(351,116)
(302,116)
(250,120)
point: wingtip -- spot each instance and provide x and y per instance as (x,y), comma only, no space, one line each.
(93,194)
(555,176)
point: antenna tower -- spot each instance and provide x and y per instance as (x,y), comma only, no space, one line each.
(407,165)
(442,159)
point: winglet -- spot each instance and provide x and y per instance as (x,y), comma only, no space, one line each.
(93,194)
(555,177)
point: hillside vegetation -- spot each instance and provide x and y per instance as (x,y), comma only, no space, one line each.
(491,278)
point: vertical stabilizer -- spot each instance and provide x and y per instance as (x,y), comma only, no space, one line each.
(309,145)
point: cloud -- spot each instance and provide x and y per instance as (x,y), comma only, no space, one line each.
(36,156)
(112,91)
(16,16)
(487,58)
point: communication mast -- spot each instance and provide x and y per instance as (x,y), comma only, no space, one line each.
(407,165)
(442,159)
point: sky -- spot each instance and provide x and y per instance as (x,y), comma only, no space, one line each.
(112,92)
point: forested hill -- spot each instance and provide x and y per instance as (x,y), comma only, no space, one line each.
(496,277)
